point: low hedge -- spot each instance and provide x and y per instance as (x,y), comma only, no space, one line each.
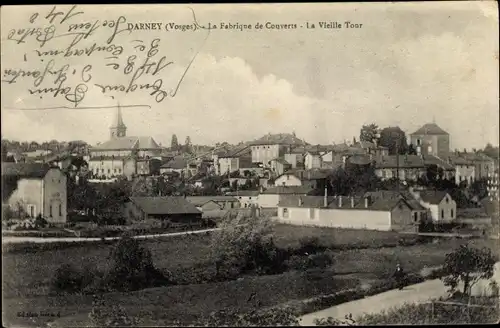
(326,301)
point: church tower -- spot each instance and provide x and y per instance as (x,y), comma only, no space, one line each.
(118,129)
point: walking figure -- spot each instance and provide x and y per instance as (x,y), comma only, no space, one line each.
(399,276)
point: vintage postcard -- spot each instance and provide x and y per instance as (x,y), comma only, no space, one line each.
(251,164)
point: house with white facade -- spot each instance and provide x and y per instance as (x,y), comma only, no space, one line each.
(271,197)
(36,189)
(247,198)
(442,208)
(348,212)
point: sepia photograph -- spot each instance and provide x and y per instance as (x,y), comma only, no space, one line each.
(293,164)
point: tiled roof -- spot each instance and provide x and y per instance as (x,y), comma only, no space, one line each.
(359,159)
(312,174)
(430,128)
(244,193)
(25,170)
(288,190)
(108,158)
(177,164)
(364,144)
(475,157)
(165,205)
(431,159)
(280,160)
(127,143)
(384,195)
(278,139)
(432,196)
(238,151)
(405,161)
(459,160)
(355,151)
(334,202)
(201,200)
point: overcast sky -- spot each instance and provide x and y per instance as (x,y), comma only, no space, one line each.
(410,64)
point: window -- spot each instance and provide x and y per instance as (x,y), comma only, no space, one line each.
(60,209)
(249,198)
(50,210)
(429,149)
(109,171)
(415,216)
(31,210)
(442,214)
(451,213)
(447,200)
(419,142)
(285,212)
(311,213)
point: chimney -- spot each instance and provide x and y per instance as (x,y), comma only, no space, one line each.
(301,202)
(352,201)
(340,201)
(325,198)
(366,202)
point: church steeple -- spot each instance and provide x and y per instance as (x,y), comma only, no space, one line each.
(118,129)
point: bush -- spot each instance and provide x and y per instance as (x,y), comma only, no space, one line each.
(246,244)
(303,263)
(198,274)
(418,314)
(68,279)
(40,222)
(102,315)
(310,245)
(266,317)
(132,267)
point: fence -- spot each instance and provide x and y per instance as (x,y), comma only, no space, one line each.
(455,311)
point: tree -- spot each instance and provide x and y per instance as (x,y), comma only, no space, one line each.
(352,179)
(490,151)
(369,132)
(132,266)
(432,173)
(188,148)
(142,187)
(245,244)
(174,144)
(394,139)
(467,265)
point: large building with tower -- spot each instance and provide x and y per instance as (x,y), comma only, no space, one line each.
(123,155)
(430,139)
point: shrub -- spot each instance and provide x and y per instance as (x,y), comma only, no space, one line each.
(417,314)
(102,315)
(68,279)
(310,245)
(199,274)
(303,263)
(330,321)
(40,222)
(132,267)
(266,317)
(246,244)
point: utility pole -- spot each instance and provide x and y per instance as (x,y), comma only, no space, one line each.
(397,164)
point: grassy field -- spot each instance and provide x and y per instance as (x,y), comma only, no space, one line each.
(289,236)
(27,274)
(166,304)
